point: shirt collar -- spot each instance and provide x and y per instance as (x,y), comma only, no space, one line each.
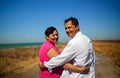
(78,34)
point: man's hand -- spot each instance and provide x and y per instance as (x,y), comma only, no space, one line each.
(42,66)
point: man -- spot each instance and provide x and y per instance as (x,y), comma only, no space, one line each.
(79,51)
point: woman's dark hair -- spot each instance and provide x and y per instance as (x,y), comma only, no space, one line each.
(50,30)
(73,20)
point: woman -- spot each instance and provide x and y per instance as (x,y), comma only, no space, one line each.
(48,50)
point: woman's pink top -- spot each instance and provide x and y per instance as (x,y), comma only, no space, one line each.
(44,73)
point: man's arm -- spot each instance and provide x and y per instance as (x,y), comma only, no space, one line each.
(71,67)
(66,55)
(52,53)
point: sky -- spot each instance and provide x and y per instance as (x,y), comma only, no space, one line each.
(25,21)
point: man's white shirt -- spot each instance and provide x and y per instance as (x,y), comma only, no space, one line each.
(80,51)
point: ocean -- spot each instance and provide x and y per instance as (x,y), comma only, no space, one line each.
(19,45)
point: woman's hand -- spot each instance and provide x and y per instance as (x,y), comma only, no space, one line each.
(85,69)
(78,69)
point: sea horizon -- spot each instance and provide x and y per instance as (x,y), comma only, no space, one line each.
(11,45)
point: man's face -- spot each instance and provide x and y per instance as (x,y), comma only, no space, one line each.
(71,30)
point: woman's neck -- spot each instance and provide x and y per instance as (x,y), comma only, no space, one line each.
(51,43)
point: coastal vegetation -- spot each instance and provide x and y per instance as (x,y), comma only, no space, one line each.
(15,60)
(110,49)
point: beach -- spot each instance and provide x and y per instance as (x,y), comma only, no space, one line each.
(23,62)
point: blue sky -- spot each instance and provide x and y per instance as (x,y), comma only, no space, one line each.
(23,21)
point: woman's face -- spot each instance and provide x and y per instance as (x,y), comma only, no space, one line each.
(53,38)
(70,29)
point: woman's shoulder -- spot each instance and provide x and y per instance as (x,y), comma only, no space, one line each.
(46,45)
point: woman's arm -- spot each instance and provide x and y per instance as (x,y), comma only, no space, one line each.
(52,53)
(73,68)
(70,67)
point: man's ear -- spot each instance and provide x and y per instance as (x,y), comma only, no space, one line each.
(78,28)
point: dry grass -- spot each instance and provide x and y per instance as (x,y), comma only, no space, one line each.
(61,46)
(13,60)
(111,49)
(108,48)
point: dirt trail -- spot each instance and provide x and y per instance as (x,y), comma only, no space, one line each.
(103,70)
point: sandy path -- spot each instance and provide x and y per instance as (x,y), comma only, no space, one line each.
(103,70)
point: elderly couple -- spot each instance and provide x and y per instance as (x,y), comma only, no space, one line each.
(77,60)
